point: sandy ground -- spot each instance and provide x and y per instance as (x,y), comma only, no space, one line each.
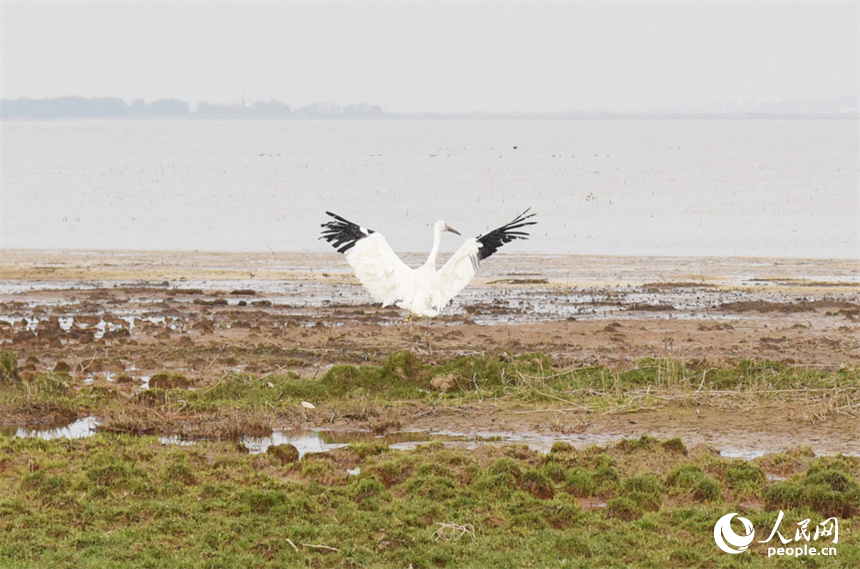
(103,315)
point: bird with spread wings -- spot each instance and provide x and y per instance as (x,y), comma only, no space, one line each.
(423,291)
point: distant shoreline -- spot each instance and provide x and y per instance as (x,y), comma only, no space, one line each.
(104,108)
(192,117)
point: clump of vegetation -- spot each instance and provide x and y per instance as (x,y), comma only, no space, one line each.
(645,442)
(284,454)
(8,366)
(624,508)
(742,477)
(644,490)
(169,380)
(828,487)
(599,481)
(674,445)
(691,480)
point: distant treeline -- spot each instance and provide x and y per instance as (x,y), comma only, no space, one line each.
(107,107)
(80,107)
(274,109)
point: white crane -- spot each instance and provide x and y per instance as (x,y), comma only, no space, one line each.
(423,291)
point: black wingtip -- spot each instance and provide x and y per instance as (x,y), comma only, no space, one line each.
(491,242)
(342,234)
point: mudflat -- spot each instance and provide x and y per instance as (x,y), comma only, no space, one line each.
(138,328)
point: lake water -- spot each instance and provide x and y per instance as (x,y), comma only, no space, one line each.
(625,187)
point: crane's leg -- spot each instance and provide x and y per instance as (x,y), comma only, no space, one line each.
(407,327)
(428,336)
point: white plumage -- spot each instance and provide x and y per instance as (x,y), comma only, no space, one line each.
(423,291)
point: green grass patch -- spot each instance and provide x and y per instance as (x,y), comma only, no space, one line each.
(117,500)
(828,487)
(530,379)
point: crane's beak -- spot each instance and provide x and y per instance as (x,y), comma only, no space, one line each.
(451,229)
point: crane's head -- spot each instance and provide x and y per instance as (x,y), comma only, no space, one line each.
(441,226)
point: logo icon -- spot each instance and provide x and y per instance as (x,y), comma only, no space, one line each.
(728,540)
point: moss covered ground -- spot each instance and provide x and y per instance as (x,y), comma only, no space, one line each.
(126,499)
(131,501)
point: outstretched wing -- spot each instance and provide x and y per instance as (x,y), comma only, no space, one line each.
(490,242)
(377,267)
(463,264)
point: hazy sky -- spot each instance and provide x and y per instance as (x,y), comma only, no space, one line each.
(445,57)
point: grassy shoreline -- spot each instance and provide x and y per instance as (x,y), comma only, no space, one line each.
(119,500)
(525,381)
(123,498)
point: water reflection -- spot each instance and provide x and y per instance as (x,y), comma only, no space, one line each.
(322,441)
(81,428)
(305,443)
(308,441)
(747,454)
(176,440)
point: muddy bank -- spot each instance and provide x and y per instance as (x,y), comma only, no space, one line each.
(123,323)
(729,434)
(206,314)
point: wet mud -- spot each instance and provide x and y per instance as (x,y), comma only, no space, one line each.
(129,322)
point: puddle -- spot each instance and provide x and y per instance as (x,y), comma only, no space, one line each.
(304,443)
(80,429)
(176,440)
(308,441)
(322,441)
(747,454)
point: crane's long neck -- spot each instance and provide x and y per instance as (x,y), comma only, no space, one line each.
(437,240)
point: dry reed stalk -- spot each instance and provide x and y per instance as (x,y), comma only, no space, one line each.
(564,410)
(549,395)
(457,531)
(322,547)
(322,357)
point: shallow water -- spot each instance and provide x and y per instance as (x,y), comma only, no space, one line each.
(322,441)
(310,441)
(482,304)
(640,187)
(79,429)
